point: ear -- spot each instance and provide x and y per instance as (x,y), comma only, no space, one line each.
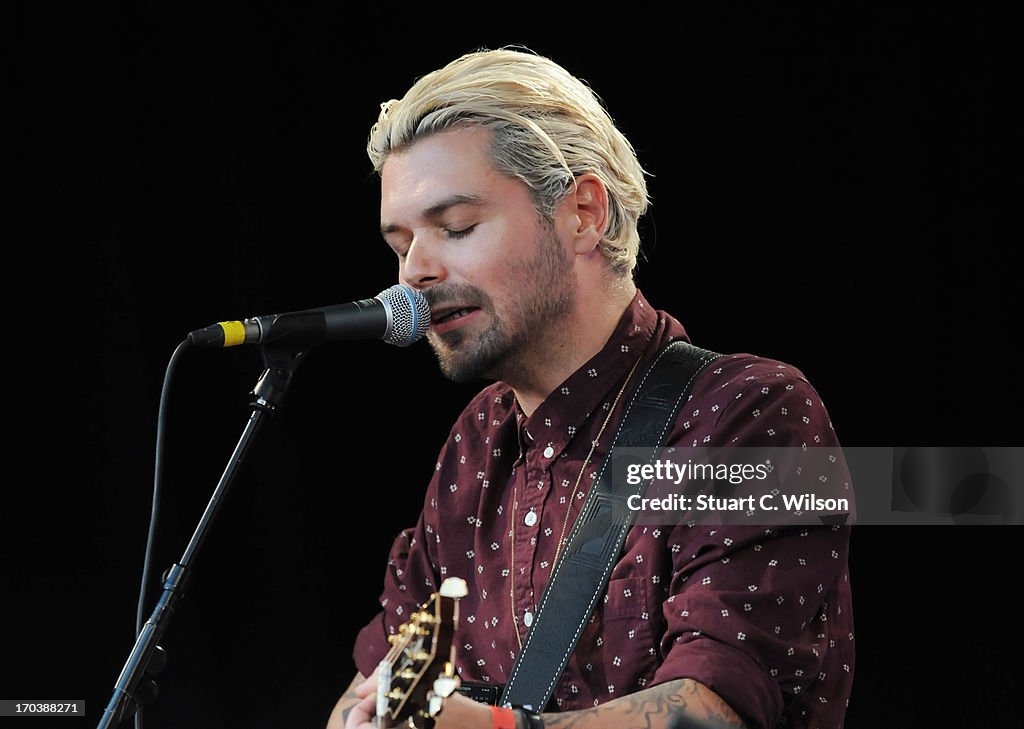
(590,200)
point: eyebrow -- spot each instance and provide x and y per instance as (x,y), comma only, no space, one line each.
(439,208)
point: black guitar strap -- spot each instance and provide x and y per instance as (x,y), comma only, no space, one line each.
(580,578)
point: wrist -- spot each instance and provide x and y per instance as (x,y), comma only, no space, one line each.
(527,718)
(504,718)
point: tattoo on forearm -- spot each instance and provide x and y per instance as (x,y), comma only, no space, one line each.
(351,700)
(682,704)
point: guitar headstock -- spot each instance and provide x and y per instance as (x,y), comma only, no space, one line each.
(421,655)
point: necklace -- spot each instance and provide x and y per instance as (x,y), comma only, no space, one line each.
(568,510)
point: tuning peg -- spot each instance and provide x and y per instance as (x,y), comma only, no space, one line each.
(444,686)
(454,587)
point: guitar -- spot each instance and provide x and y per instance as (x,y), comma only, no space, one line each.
(418,673)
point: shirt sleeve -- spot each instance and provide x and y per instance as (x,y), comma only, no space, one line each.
(410,578)
(747,603)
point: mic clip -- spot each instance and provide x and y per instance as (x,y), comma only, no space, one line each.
(279,366)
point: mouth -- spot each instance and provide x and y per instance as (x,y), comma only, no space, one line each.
(448,314)
(446,318)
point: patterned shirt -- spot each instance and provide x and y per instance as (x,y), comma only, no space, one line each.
(761,616)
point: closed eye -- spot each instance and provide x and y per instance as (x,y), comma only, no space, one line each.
(456,234)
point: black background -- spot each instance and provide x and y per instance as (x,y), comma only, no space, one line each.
(821,183)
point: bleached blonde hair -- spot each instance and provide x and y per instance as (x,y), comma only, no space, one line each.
(548,127)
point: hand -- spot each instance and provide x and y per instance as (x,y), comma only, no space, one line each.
(462,713)
(362,714)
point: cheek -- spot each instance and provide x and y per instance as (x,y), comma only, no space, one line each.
(492,261)
(475,265)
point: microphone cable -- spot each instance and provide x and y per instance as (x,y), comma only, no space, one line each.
(154,515)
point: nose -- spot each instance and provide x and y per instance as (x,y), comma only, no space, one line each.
(422,266)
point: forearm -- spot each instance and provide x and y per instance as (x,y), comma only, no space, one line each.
(681,704)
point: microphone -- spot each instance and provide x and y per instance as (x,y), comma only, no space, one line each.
(399,315)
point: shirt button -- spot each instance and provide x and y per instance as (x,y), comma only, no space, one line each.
(528,618)
(530,518)
(548,452)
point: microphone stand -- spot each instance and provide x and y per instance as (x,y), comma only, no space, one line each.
(135,686)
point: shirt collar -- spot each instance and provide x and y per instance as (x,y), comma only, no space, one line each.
(593,387)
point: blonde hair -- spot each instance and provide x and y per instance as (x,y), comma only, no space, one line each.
(548,127)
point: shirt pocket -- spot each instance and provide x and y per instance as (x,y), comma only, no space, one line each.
(623,636)
(625,598)
(616,653)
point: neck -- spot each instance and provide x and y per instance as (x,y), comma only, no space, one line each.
(573,343)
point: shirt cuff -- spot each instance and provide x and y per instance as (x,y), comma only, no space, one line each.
(371,645)
(730,673)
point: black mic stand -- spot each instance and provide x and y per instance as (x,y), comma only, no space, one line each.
(135,686)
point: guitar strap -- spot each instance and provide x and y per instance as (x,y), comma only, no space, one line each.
(581,576)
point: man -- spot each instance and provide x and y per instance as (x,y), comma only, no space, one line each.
(512,201)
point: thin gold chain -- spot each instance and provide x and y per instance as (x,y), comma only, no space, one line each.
(568,510)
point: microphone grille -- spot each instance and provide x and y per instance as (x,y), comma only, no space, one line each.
(408,315)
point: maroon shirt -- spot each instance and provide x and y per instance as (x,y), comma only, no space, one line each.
(761,616)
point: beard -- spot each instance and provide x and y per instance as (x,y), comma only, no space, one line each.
(545,295)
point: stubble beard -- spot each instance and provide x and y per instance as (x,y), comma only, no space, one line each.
(503,349)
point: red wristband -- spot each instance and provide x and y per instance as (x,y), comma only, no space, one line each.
(503,718)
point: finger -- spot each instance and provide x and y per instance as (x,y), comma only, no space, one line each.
(361,716)
(367,687)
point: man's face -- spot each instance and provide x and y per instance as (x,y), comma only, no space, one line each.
(497,277)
